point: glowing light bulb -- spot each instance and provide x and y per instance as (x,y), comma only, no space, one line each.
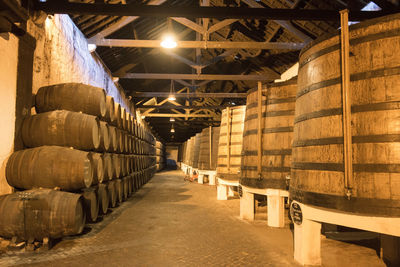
(168,42)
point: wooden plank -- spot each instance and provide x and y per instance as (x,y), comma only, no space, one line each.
(259,129)
(228,136)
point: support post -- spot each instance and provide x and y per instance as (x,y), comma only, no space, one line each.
(307,242)
(222,193)
(276,211)
(228,137)
(231,193)
(211,179)
(200,179)
(348,150)
(247,206)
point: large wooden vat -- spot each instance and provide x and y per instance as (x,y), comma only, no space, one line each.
(62,128)
(318,168)
(230,143)
(71,96)
(271,168)
(189,149)
(209,148)
(41,213)
(195,153)
(50,167)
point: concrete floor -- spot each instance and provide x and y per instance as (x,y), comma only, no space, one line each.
(170,222)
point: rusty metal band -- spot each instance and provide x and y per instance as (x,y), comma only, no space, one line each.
(265,183)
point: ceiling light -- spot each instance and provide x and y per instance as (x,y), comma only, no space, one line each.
(168,41)
(171,97)
(115,79)
(92,47)
(171,119)
(172,130)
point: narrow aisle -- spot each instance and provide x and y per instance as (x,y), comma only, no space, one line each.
(169,222)
(172,222)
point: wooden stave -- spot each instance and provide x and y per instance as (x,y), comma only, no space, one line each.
(28,214)
(277,134)
(119,190)
(85,98)
(62,128)
(237,122)
(62,175)
(372,191)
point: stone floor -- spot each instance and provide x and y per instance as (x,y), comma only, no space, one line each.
(170,222)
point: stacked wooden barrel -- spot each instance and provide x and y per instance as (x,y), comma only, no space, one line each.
(318,169)
(82,141)
(160,155)
(209,148)
(230,143)
(267,136)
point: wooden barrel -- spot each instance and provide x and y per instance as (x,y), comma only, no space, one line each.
(230,143)
(117,114)
(125,186)
(110,112)
(112,193)
(62,128)
(209,148)
(119,190)
(104,198)
(41,213)
(276,121)
(98,167)
(116,162)
(130,185)
(71,96)
(90,204)
(113,139)
(124,123)
(104,137)
(108,167)
(124,165)
(318,166)
(120,140)
(50,167)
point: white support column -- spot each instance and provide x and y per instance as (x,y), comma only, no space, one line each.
(222,192)
(231,193)
(211,179)
(247,206)
(307,242)
(200,179)
(276,211)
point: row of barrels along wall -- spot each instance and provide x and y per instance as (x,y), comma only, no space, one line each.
(307,142)
(160,155)
(82,142)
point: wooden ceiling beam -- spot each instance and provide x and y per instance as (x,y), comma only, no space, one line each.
(177,76)
(170,115)
(168,107)
(52,7)
(190,95)
(198,44)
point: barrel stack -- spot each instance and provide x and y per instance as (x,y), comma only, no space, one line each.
(160,155)
(267,149)
(207,165)
(229,150)
(84,152)
(345,161)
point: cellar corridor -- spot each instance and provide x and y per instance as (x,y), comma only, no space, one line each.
(172,222)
